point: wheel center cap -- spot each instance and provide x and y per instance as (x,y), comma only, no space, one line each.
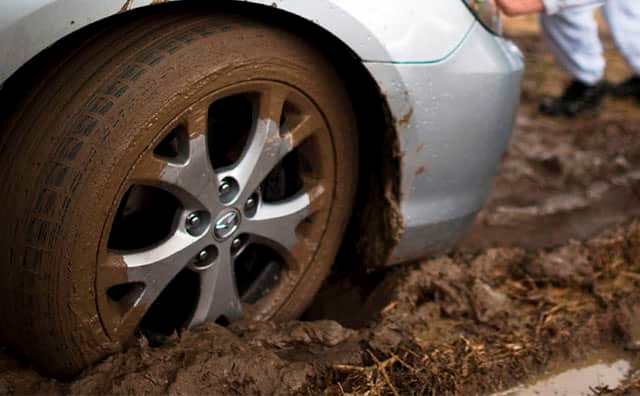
(226,224)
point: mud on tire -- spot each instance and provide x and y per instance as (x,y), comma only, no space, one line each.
(69,147)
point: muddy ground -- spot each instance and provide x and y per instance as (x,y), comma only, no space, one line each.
(548,277)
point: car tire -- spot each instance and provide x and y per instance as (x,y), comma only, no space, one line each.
(128,114)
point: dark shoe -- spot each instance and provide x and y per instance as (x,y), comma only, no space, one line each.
(576,99)
(628,88)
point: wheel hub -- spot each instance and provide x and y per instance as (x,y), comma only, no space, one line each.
(227,224)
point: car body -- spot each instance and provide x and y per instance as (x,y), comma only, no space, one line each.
(452,88)
(260,132)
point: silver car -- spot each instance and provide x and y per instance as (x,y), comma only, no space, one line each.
(170,163)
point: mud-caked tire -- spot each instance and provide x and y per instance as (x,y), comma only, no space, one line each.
(70,146)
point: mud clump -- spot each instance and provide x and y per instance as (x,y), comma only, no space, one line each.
(487,303)
(628,321)
(292,334)
(207,360)
(568,265)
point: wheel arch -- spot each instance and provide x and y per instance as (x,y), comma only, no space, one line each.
(370,237)
(28,28)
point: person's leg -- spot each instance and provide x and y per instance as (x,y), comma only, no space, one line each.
(572,37)
(623,17)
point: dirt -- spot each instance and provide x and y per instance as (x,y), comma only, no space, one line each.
(549,276)
(461,323)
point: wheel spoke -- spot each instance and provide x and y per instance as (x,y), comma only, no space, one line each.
(193,182)
(271,103)
(305,127)
(156,267)
(266,147)
(197,120)
(218,291)
(275,223)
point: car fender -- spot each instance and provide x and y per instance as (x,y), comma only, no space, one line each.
(418,31)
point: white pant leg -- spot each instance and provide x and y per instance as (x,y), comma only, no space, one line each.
(623,17)
(572,36)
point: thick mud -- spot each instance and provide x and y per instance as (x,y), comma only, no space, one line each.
(547,282)
(463,323)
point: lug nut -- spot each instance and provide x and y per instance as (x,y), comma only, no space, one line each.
(228,190)
(251,205)
(237,244)
(225,188)
(196,222)
(202,256)
(193,220)
(204,259)
(251,202)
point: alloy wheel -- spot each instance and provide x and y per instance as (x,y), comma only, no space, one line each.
(234,195)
